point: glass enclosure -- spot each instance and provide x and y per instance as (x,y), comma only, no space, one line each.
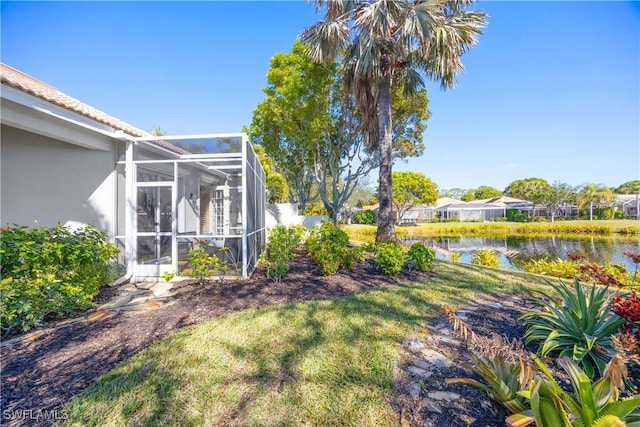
(192,192)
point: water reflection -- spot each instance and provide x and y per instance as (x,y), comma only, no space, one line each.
(515,250)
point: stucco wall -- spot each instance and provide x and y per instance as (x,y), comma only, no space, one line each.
(52,181)
(287,214)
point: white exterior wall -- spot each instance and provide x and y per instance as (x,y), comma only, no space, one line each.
(49,181)
(287,214)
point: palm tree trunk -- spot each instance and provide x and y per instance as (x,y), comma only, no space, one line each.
(386,228)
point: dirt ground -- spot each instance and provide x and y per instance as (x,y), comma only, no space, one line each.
(44,373)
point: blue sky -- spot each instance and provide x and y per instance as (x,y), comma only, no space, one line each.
(551,91)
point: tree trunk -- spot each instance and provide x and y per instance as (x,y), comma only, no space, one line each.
(386,227)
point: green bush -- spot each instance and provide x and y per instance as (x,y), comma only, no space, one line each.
(389,257)
(589,404)
(562,268)
(279,251)
(606,274)
(327,247)
(204,265)
(420,256)
(50,271)
(606,212)
(580,326)
(365,217)
(485,257)
(514,215)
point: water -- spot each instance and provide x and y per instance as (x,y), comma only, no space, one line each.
(515,250)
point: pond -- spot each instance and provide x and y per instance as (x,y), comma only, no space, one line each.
(515,250)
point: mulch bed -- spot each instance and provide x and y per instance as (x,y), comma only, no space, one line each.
(44,374)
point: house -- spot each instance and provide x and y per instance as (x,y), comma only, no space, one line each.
(628,204)
(63,161)
(475,210)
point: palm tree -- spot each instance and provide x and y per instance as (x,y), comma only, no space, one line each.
(381,42)
(594,194)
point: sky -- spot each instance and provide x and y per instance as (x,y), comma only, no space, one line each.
(552,90)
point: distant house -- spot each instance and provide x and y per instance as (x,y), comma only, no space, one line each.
(478,210)
(628,204)
(63,161)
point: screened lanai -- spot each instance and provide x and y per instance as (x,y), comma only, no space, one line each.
(190,192)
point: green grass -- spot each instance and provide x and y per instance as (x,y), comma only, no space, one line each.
(366,233)
(313,363)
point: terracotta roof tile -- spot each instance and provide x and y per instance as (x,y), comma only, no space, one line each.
(23,82)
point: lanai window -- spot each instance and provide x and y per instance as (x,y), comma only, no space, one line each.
(191,192)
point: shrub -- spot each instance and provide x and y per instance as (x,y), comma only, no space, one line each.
(279,251)
(50,271)
(504,379)
(580,326)
(205,265)
(455,256)
(562,268)
(485,257)
(628,308)
(389,257)
(420,256)
(607,274)
(515,215)
(364,217)
(327,247)
(589,404)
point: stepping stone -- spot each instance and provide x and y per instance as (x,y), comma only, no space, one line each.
(100,315)
(450,340)
(431,406)
(153,305)
(447,396)
(421,364)
(141,299)
(118,302)
(418,372)
(415,346)
(438,360)
(414,390)
(162,288)
(145,285)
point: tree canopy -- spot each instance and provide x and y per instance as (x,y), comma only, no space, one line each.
(330,159)
(384,42)
(531,189)
(593,194)
(411,189)
(293,116)
(629,187)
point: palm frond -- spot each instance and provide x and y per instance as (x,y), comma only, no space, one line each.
(324,39)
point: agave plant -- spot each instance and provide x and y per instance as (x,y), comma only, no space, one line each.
(504,380)
(579,326)
(588,405)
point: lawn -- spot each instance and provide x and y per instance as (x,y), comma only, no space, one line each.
(323,362)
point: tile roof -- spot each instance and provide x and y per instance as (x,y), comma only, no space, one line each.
(23,82)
